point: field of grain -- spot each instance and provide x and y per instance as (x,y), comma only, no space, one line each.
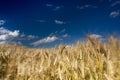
(91,60)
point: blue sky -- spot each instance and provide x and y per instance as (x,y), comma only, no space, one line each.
(45,23)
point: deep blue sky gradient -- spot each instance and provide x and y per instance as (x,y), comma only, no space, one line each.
(25,15)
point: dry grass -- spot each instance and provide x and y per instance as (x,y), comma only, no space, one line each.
(90,60)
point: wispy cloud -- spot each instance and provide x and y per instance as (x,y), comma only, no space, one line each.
(59,22)
(86,6)
(98,36)
(63,30)
(31,37)
(56,21)
(114,14)
(61,34)
(45,40)
(2,22)
(22,35)
(65,35)
(54,36)
(115,3)
(54,7)
(27,37)
(57,8)
(95,36)
(49,5)
(41,21)
(11,42)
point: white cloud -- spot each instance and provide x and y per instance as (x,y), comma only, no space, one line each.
(115,3)
(95,36)
(57,8)
(65,35)
(26,37)
(22,35)
(45,40)
(7,36)
(54,8)
(49,5)
(11,42)
(59,22)
(86,6)
(115,14)
(14,33)
(31,37)
(2,22)
(54,36)
(3,42)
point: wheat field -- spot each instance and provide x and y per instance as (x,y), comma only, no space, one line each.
(91,60)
